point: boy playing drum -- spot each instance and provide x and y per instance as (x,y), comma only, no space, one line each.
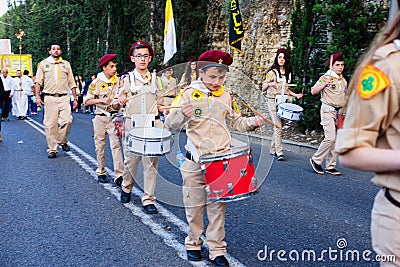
(206,110)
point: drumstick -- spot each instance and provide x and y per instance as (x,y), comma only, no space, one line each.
(302,90)
(171,106)
(259,114)
(291,84)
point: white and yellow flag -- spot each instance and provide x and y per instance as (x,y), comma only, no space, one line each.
(169,33)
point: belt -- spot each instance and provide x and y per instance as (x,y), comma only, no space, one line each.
(101,114)
(55,95)
(170,96)
(332,108)
(391,198)
(18,90)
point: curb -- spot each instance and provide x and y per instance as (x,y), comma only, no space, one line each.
(297,147)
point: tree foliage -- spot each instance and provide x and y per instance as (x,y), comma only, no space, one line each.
(87,29)
(323,27)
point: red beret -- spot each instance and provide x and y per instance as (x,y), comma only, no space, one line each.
(141,44)
(105,59)
(214,58)
(284,51)
(335,57)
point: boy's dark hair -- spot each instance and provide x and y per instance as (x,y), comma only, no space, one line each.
(26,72)
(54,43)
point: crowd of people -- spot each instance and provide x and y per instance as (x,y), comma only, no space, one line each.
(200,104)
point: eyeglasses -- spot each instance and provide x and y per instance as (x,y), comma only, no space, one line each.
(141,56)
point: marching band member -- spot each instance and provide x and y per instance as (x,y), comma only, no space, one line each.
(206,110)
(333,87)
(139,91)
(170,87)
(279,74)
(369,140)
(191,73)
(101,92)
(57,77)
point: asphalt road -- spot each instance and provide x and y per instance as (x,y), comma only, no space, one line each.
(53,212)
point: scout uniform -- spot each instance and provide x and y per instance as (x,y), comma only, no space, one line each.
(372,121)
(333,98)
(271,93)
(207,132)
(103,124)
(143,94)
(58,79)
(169,89)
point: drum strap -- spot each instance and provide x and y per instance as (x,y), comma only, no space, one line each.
(391,198)
(194,152)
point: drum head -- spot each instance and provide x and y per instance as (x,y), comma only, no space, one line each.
(149,132)
(290,106)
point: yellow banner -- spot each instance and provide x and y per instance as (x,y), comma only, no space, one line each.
(16,62)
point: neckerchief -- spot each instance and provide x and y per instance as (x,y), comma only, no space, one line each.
(56,68)
(139,76)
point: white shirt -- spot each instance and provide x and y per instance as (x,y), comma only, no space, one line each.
(27,84)
(8,83)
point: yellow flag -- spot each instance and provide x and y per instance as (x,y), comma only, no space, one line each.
(169,33)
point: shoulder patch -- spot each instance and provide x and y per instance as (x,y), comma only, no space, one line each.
(372,81)
(197,95)
(235,106)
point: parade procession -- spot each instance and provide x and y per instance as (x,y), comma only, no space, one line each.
(208,133)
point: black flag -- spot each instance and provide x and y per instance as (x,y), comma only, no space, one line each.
(236,32)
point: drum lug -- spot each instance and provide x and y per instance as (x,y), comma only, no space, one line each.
(243,173)
(203,169)
(207,191)
(254,181)
(250,159)
(226,167)
(217,192)
(230,188)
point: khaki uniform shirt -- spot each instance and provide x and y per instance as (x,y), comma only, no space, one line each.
(376,122)
(169,90)
(334,95)
(99,88)
(143,93)
(56,76)
(273,76)
(208,128)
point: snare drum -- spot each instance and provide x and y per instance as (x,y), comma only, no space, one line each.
(149,141)
(118,120)
(340,120)
(290,112)
(229,176)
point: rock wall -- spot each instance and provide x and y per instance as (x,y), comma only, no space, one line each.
(267,28)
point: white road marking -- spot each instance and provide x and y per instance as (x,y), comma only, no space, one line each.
(168,238)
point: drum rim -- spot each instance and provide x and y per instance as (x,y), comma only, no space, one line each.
(280,106)
(246,151)
(235,198)
(148,155)
(154,139)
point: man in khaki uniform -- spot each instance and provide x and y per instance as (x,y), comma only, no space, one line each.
(139,91)
(101,92)
(206,109)
(369,140)
(333,87)
(56,75)
(170,87)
